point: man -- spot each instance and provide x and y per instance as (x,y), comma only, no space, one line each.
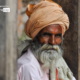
(42,59)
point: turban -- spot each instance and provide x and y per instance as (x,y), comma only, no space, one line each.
(43,14)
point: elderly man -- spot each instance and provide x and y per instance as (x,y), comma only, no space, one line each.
(42,59)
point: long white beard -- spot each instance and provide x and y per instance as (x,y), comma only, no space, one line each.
(48,55)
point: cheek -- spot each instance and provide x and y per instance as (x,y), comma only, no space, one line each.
(58,41)
(43,40)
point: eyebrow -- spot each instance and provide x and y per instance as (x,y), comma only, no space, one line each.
(59,34)
(46,33)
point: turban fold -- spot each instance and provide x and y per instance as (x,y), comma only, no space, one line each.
(43,14)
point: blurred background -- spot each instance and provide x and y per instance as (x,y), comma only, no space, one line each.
(22,18)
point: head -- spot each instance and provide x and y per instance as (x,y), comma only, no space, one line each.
(46,46)
(46,25)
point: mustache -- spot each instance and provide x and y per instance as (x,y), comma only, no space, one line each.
(48,53)
(49,47)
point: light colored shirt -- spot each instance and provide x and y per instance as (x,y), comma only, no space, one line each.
(29,68)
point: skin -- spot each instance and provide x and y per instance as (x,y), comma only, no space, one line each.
(51,34)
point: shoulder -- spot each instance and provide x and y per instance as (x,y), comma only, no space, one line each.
(23,60)
(28,72)
(26,58)
(28,67)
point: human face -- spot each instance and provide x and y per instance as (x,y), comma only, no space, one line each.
(52,34)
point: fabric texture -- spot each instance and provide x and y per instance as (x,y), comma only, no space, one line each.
(29,68)
(43,14)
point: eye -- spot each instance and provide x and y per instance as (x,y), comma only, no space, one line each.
(58,35)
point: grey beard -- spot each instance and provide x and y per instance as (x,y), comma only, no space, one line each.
(46,54)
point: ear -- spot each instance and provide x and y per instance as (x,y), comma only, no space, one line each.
(29,9)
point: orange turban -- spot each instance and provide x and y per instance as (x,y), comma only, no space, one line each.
(43,14)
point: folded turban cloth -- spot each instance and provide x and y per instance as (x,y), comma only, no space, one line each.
(43,14)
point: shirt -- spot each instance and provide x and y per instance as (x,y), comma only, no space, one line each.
(29,68)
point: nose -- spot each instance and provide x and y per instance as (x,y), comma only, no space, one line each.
(52,40)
